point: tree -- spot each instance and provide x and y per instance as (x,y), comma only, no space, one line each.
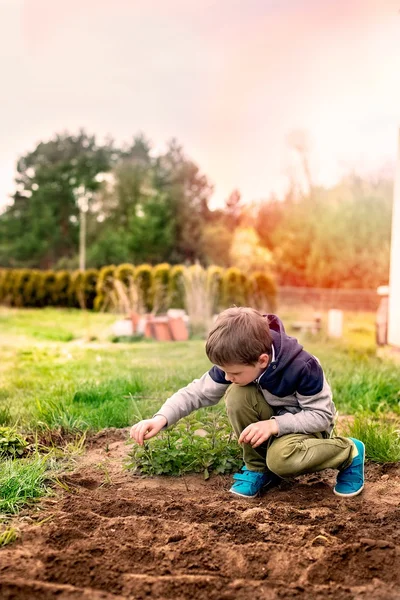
(233,210)
(155,207)
(217,242)
(247,254)
(187,192)
(41,225)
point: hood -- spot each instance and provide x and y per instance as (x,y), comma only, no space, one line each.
(287,349)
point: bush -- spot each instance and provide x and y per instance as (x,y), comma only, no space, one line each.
(61,288)
(143,281)
(2,279)
(104,288)
(21,278)
(125,273)
(45,288)
(125,295)
(6,286)
(160,287)
(176,288)
(262,291)
(215,277)
(234,288)
(11,444)
(89,287)
(144,288)
(75,298)
(82,288)
(31,289)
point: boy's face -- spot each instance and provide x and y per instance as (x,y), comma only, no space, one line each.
(243,374)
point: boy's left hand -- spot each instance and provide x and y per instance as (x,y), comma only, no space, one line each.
(257,433)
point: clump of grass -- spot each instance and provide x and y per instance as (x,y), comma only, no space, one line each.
(21,482)
(92,406)
(380,436)
(53,414)
(5,416)
(8,536)
(106,391)
(189,447)
(108,404)
(367,385)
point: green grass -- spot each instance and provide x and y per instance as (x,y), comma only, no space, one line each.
(76,385)
(61,371)
(380,436)
(21,481)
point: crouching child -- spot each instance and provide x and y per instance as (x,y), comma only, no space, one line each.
(278,402)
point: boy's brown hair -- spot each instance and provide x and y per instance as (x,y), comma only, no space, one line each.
(239,336)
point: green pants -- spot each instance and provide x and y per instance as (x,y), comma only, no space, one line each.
(291,454)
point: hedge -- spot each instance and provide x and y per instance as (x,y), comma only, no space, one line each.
(144,287)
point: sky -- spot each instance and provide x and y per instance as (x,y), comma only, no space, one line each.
(231,80)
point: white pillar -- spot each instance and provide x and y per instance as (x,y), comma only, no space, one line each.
(394,285)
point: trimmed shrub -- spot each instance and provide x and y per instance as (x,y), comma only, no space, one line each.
(6,286)
(104,288)
(45,288)
(75,298)
(125,298)
(176,288)
(21,279)
(82,289)
(9,286)
(215,278)
(125,273)
(61,288)
(144,288)
(2,279)
(262,292)
(143,280)
(2,271)
(31,289)
(160,287)
(234,288)
(89,287)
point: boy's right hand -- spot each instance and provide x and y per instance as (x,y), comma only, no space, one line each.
(148,428)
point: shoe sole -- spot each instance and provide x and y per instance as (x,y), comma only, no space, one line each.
(244,495)
(348,495)
(361,488)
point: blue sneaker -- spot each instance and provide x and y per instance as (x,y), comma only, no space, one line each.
(350,481)
(250,483)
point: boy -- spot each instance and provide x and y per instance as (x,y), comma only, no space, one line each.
(278,402)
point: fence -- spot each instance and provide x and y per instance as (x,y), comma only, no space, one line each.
(321,299)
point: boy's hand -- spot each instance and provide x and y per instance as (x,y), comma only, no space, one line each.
(257,433)
(148,428)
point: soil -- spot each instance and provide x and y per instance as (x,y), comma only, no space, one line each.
(112,535)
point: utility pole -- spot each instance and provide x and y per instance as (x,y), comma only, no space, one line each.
(82,239)
(82,199)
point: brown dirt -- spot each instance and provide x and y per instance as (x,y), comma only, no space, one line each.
(118,536)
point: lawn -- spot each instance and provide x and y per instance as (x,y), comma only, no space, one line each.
(60,372)
(60,368)
(107,531)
